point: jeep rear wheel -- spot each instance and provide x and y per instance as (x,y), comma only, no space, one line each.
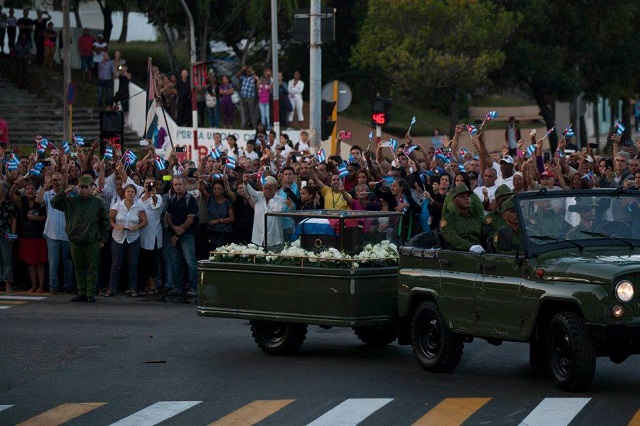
(380,335)
(571,356)
(278,338)
(435,347)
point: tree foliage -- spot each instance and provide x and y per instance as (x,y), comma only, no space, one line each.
(424,45)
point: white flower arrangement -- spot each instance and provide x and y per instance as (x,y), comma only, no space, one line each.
(384,253)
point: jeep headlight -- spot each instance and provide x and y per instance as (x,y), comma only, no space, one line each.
(624,291)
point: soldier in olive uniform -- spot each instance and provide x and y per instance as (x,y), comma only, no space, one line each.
(460,225)
(510,218)
(493,220)
(547,222)
(585,207)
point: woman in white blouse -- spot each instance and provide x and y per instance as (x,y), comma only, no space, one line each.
(150,235)
(127,217)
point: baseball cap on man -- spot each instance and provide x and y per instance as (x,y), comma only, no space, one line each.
(547,173)
(507,159)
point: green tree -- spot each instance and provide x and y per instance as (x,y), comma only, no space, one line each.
(566,47)
(427,45)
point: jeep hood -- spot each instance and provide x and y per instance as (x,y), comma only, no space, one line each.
(588,267)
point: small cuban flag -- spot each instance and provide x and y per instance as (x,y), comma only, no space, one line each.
(231,163)
(9,236)
(560,154)
(65,147)
(263,179)
(551,130)
(531,150)
(473,130)
(393,145)
(492,115)
(387,179)
(443,158)
(342,169)
(160,163)
(463,152)
(216,175)
(413,121)
(619,127)
(370,136)
(36,170)
(568,132)
(79,140)
(13,163)
(130,158)
(215,153)
(409,150)
(321,156)
(108,153)
(350,159)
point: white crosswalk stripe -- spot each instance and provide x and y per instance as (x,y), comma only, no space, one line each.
(156,413)
(4,407)
(351,412)
(22,297)
(555,412)
(4,307)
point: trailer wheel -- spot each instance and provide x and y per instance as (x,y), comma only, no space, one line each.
(379,335)
(278,338)
(571,356)
(435,347)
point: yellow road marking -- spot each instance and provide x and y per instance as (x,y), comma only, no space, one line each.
(12,302)
(452,411)
(62,414)
(635,421)
(252,413)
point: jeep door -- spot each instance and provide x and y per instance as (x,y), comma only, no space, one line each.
(497,299)
(460,277)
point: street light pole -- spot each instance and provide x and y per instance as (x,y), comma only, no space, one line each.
(274,56)
(315,73)
(192,37)
(66,67)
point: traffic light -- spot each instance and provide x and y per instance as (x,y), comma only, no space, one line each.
(327,124)
(111,130)
(380,111)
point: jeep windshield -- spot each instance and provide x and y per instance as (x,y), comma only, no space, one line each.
(551,220)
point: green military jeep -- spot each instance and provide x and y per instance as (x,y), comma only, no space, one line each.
(563,281)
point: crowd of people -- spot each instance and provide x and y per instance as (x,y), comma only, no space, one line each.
(140,225)
(243,100)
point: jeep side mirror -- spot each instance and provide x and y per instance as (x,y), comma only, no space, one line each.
(505,237)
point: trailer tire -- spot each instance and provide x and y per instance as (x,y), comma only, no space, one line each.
(278,338)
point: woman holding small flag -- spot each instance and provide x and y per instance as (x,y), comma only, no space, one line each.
(32,249)
(335,196)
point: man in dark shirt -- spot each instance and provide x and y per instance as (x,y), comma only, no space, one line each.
(183,86)
(25,25)
(181,218)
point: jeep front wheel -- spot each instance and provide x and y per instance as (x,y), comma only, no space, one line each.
(278,338)
(435,347)
(571,356)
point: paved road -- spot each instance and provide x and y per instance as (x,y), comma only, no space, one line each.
(136,362)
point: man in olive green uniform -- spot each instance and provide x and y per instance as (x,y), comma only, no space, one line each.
(510,218)
(461,227)
(493,220)
(88,230)
(584,206)
(547,222)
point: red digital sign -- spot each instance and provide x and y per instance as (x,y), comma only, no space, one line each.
(379,118)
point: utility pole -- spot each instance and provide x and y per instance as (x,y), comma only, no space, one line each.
(66,66)
(274,56)
(192,37)
(315,73)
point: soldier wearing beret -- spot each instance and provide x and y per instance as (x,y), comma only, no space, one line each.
(493,220)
